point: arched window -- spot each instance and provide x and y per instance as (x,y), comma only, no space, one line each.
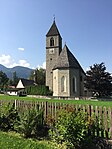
(52,41)
(63,84)
(74,84)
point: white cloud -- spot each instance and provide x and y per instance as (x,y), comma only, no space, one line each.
(43,65)
(21,49)
(7,61)
(24,63)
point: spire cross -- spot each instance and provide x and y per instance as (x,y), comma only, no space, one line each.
(54,17)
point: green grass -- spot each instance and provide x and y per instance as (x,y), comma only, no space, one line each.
(81,102)
(15,141)
(7,97)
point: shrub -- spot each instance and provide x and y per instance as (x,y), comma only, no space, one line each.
(38,90)
(31,123)
(71,128)
(8,117)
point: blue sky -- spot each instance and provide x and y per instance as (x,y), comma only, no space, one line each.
(85,25)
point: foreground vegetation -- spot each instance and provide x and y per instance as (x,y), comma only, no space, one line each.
(13,140)
(71,129)
(101,102)
(23,129)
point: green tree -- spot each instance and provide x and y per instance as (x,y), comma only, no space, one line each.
(98,80)
(15,79)
(38,75)
(10,82)
(41,76)
(3,79)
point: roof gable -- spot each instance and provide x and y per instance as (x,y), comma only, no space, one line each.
(67,60)
(27,82)
(20,84)
(53,31)
(24,82)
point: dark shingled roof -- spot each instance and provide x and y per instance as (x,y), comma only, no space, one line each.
(53,31)
(67,60)
(27,82)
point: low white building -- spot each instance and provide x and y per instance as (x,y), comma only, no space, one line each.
(20,88)
(12,92)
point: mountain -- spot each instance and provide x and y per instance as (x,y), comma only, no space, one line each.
(21,72)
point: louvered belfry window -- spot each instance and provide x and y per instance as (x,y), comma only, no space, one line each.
(52,41)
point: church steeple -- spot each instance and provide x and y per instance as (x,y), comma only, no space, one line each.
(53,50)
(53,31)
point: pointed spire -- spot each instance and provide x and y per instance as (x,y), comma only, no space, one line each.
(53,31)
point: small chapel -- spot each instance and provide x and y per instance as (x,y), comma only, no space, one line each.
(64,74)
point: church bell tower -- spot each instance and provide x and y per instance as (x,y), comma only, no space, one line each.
(53,50)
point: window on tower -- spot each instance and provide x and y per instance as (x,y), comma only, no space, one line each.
(63,84)
(52,41)
(74,84)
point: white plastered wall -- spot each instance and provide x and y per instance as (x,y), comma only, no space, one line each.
(57,75)
(20,84)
